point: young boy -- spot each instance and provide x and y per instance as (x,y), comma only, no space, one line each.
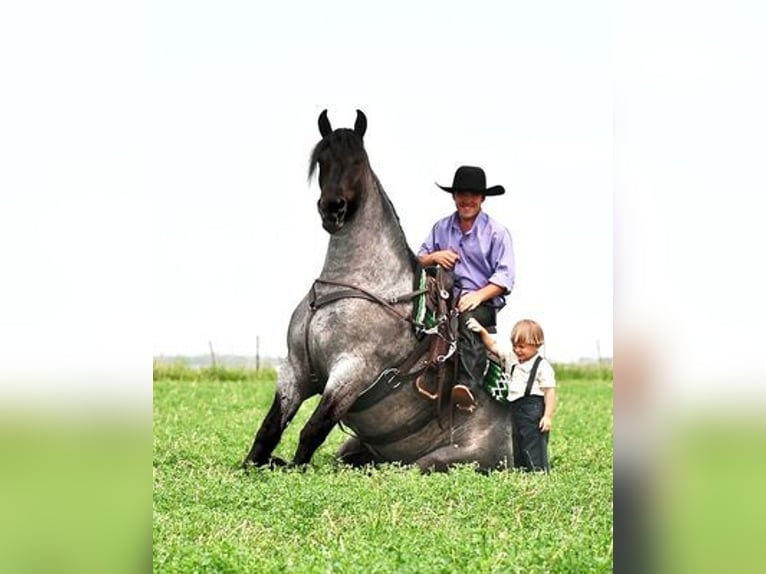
(531,391)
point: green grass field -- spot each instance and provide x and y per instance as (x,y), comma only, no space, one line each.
(210,516)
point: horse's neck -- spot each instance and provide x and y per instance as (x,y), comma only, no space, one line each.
(371,249)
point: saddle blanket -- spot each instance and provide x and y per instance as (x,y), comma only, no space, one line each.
(496,381)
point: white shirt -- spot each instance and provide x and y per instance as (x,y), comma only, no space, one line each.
(544,379)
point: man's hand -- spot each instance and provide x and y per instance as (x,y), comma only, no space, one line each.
(469,301)
(545,424)
(446,258)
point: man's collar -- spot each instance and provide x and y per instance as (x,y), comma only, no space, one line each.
(480,218)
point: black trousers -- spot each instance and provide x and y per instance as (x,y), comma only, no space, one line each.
(530,444)
(472,354)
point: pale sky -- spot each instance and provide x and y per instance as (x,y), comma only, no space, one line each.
(153,190)
(520,91)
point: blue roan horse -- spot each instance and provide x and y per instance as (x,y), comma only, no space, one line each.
(352,326)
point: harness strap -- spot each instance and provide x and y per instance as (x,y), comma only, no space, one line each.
(391,379)
(328,298)
(358,292)
(312,372)
(407,296)
(352,291)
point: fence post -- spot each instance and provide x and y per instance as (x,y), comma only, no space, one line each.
(212,353)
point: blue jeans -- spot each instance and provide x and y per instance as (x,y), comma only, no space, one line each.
(530,444)
(472,354)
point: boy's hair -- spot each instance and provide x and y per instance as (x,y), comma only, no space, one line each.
(528,332)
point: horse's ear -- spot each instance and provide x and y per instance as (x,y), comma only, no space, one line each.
(361,124)
(324,124)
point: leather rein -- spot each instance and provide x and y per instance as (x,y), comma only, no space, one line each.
(352,291)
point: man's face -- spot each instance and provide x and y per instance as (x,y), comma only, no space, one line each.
(468,204)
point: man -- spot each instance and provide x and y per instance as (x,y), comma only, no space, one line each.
(479,252)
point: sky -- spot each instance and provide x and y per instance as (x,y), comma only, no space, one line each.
(154,193)
(521,92)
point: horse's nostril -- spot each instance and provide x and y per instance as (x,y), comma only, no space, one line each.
(333,204)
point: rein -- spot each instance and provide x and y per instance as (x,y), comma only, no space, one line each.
(352,291)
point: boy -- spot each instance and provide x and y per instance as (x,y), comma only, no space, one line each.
(531,391)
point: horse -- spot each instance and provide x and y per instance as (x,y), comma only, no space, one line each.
(354,327)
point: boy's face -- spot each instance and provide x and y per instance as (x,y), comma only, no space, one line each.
(524,351)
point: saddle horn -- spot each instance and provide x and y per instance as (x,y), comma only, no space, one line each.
(324,124)
(360,126)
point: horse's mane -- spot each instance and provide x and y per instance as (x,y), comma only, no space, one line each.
(414,261)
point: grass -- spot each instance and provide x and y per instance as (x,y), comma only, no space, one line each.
(209,516)
(180,371)
(586,371)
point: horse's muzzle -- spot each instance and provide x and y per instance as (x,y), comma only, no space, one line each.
(332,223)
(333,212)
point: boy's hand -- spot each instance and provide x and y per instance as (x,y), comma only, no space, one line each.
(474,325)
(545,424)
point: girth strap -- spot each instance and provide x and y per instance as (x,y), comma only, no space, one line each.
(391,379)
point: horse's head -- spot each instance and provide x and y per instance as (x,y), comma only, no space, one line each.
(343,165)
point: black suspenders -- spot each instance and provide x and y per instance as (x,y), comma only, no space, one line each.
(532,375)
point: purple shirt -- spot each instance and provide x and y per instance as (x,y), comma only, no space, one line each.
(486,254)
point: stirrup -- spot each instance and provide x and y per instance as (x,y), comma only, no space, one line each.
(424,392)
(463,398)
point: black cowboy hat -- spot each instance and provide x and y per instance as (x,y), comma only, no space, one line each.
(470,178)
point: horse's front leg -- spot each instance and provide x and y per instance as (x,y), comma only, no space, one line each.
(348,378)
(287,400)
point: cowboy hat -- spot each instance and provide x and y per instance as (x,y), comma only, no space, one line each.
(470,178)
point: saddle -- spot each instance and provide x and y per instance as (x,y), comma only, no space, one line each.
(435,319)
(441,333)
(435,324)
(442,343)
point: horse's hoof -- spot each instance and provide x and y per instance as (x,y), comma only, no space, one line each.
(276,462)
